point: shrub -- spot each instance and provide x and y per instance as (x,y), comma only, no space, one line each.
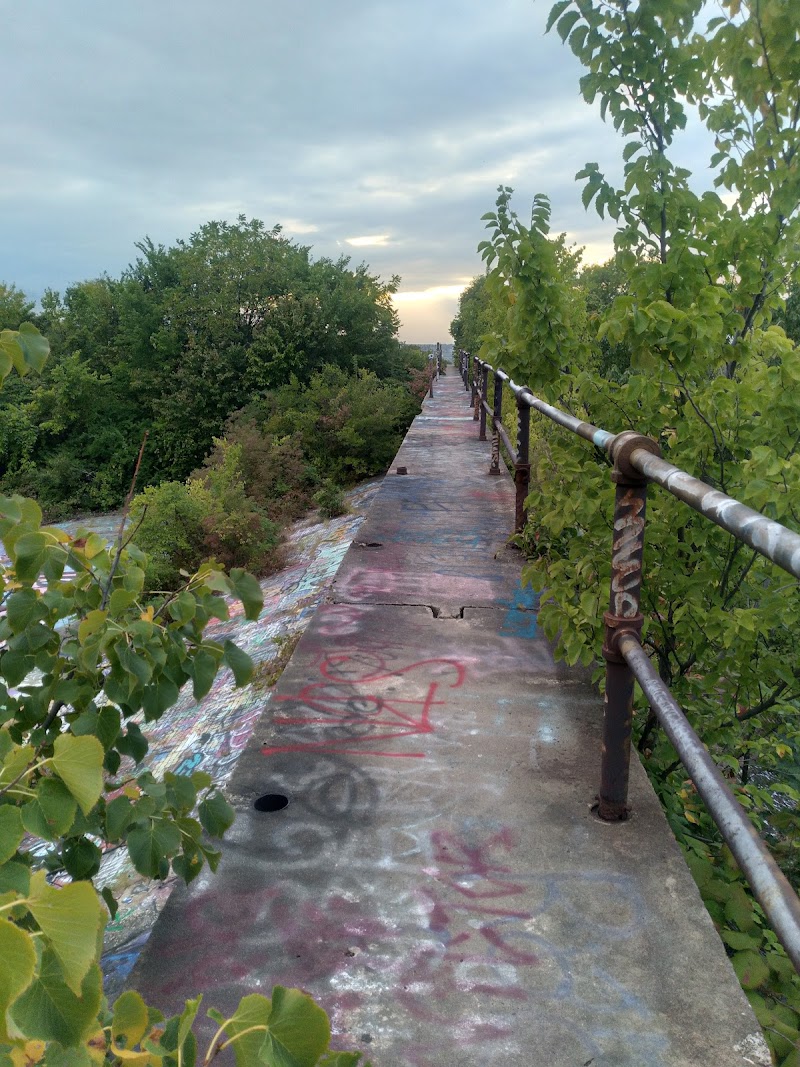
(330,500)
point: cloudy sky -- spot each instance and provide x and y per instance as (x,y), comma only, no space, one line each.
(366,128)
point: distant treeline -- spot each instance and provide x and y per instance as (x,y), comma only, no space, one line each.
(237,323)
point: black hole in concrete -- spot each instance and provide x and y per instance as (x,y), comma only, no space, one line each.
(271,802)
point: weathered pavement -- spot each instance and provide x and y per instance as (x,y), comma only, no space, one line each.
(438,880)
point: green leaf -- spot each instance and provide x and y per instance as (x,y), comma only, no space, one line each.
(181,791)
(151,845)
(120,600)
(248,591)
(566,23)
(340,1059)
(19,964)
(79,763)
(52,812)
(130,1020)
(70,918)
(28,554)
(35,347)
(119,813)
(11,831)
(183,608)
(204,669)
(133,743)
(91,624)
(187,1018)
(239,662)
(15,667)
(15,876)
(298,1032)
(751,969)
(81,858)
(555,12)
(23,608)
(253,1011)
(49,1010)
(216,814)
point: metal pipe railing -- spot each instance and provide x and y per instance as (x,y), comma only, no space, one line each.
(636,461)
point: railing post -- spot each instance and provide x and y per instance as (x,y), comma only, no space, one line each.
(623,616)
(497,418)
(484,398)
(522,464)
(465,374)
(475,393)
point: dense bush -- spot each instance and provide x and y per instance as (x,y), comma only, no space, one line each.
(181,524)
(183,339)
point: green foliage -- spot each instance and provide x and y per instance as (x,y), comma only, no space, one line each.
(676,339)
(330,500)
(88,655)
(184,338)
(209,516)
(473,318)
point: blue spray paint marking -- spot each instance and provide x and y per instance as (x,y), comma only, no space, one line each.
(520,619)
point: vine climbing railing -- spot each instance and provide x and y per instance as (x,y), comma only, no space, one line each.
(636,462)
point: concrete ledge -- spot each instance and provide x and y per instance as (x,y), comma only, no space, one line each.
(438,880)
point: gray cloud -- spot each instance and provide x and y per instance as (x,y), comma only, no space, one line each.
(342,120)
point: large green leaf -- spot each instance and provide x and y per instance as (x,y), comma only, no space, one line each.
(253,1011)
(52,811)
(29,553)
(204,669)
(239,662)
(299,1031)
(70,918)
(751,969)
(35,348)
(248,591)
(216,814)
(49,1010)
(79,763)
(19,963)
(130,1019)
(151,845)
(11,831)
(23,608)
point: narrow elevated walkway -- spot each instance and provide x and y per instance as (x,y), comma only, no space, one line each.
(438,880)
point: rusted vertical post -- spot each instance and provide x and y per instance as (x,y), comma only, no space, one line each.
(431,376)
(467,358)
(476,413)
(484,398)
(522,464)
(497,412)
(623,616)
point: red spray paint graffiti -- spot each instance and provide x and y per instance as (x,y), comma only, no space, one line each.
(357,705)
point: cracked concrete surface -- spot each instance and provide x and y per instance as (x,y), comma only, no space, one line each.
(437,878)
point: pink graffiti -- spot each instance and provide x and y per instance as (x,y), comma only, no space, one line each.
(471,914)
(346,700)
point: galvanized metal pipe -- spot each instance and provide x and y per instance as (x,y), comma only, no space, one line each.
(769,884)
(772,540)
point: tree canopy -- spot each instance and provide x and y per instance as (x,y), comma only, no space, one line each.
(186,336)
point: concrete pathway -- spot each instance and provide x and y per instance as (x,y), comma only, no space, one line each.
(437,879)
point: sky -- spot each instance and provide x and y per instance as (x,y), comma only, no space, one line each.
(365,128)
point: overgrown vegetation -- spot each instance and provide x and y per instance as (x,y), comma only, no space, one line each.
(236,317)
(678,337)
(89,656)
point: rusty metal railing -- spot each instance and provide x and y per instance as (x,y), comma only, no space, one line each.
(636,462)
